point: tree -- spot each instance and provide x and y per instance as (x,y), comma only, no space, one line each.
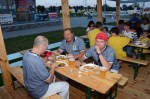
(41,8)
(124,7)
(105,7)
(130,7)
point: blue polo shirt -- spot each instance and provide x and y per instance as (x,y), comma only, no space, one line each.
(75,48)
(35,73)
(108,53)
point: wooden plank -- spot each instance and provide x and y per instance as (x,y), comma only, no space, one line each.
(18,63)
(5,65)
(55,96)
(17,72)
(84,36)
(4,93)
(123,81)
(50,46)
(54,45)
(138,61)
(117,11)
(99,10)
(23,93)
(14,56)
(65,14)
(24,51)
(75,93)
(135,89)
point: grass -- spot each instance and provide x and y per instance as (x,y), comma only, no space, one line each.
(25,42)
(111,23)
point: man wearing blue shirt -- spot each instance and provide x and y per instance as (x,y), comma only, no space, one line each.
(103,54)
(73,45)
(40,82)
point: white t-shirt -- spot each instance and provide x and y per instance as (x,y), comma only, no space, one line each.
(145,27)
(131,35)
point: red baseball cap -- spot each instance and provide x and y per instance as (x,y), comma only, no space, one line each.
(102,36)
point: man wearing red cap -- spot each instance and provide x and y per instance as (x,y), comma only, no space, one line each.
(103,54)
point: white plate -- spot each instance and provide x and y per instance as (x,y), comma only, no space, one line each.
(59,62)
(61,57)
(140,44)
(88,67)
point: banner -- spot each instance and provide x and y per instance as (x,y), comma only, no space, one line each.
(23,5)
(6,19)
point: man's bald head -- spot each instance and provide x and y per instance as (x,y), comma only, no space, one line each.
(40,40)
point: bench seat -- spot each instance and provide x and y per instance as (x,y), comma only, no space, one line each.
(136,64)
(122,82)
(132,60)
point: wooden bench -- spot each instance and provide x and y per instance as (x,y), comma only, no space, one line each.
(17,72)
(136,63)
(122,82)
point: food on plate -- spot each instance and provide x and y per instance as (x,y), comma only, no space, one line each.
(88,67)
(62,65)
(140,44)
(61,57)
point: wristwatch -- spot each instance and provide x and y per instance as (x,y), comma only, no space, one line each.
(99,54)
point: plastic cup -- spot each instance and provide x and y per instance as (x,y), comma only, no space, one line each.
(72,63)
(103,71)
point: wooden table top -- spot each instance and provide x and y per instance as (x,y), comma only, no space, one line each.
(91,79)
(84,36)
(140,46)
(24,51)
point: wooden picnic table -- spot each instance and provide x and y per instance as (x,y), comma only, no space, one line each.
(139,46)
(91,79)
(84,36)
(139,53)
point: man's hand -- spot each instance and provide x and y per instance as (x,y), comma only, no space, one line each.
(51,58)
(54,65)
(70,56)
(78,64)
(97,49)
(57,52)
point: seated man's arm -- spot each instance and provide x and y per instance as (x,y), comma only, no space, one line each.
(57,52)
(79,55)
(61,48)
(52,69)
(105,63)
(80,60)
(81,46)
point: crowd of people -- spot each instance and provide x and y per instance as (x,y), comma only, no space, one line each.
(105,48)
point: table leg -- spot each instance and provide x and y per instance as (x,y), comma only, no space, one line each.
(136,68)
(140,54)
(88,93)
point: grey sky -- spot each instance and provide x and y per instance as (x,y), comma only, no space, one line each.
(47,3)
